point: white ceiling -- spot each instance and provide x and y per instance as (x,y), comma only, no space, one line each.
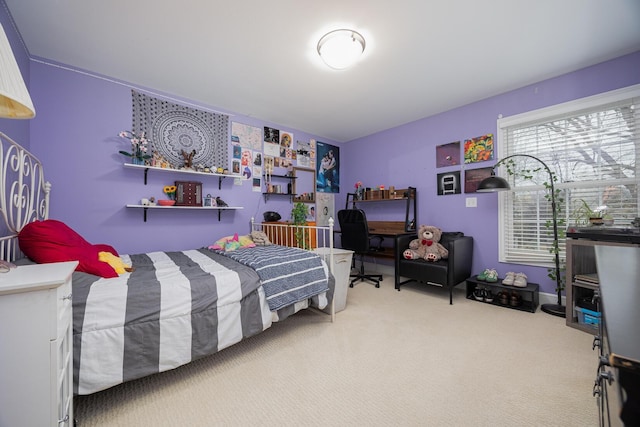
(258,58)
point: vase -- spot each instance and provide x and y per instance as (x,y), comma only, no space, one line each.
(137,161)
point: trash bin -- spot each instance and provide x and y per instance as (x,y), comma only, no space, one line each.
(341,270)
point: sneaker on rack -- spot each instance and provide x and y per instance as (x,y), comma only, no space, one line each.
(492,276)
(520,281)
(483,276)
(488,295)
(478,294)
(509,278)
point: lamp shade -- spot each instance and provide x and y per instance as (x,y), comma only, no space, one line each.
(493,184)
(15,102)
(341,48)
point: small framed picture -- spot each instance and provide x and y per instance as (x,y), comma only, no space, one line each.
(208,200)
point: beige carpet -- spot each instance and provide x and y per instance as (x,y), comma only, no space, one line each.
(391,359)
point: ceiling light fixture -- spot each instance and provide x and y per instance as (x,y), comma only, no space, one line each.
(15,102)
(340,49)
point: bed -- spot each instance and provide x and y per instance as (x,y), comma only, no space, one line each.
(168,308)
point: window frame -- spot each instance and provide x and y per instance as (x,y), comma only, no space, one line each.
(547,114)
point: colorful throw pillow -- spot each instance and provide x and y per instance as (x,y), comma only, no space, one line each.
(231,243)
(53,241)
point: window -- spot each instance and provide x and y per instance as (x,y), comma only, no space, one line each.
(591,145)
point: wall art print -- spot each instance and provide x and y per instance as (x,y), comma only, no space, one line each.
(449,183)
(174,128)
(246,136)
(327,168)
(478,149)
(473,178)
(448,154)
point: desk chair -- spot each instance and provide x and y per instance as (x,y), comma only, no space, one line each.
(355,237)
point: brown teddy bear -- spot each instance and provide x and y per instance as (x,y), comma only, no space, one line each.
(427,245)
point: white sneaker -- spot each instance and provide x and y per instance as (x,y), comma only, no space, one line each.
(509,278)
(520,281)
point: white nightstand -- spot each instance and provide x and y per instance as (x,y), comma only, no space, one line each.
(36,345)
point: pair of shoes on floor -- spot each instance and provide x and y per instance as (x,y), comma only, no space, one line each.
(481,294)
(519,280)
(488,275)
(509,298)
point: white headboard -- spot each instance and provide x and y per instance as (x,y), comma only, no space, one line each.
(24,194)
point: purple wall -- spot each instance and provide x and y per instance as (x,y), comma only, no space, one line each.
(404,155)
(75,133)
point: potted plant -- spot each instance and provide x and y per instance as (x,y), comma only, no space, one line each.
(584,214)
(299,215)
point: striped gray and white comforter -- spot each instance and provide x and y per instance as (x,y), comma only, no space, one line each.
(173,308)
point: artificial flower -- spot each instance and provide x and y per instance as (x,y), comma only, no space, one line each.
(170,191)
(139,145)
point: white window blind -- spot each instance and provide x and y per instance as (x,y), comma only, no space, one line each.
(592,146)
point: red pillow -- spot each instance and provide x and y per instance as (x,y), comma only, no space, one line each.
(53,241)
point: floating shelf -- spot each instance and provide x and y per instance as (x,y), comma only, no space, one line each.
(209,208)
(146,169)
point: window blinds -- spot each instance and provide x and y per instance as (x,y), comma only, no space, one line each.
(593,153)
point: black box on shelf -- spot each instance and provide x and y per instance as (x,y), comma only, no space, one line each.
(586,301)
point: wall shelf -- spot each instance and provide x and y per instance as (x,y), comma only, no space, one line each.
(147,168)
(209,208)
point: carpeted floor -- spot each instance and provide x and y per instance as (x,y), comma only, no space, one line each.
(391,359)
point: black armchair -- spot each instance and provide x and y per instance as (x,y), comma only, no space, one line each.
(446,273)
(354,236)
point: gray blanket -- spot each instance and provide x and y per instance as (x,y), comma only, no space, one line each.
(288,275)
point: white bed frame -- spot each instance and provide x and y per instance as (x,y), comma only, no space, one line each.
(317,238)
(24,194)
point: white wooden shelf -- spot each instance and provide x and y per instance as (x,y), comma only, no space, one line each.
(210,208)
(147,168)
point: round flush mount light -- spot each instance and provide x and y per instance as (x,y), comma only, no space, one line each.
(340,49)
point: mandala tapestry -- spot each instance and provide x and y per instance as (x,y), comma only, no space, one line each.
(174,128)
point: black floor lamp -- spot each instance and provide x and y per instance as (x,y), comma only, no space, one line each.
(495,183)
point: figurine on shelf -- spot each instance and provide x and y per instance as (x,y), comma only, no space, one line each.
(220,202)
(188,158)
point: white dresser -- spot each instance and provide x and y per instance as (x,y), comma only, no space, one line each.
(36,346)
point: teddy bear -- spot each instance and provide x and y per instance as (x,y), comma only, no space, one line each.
(427,246)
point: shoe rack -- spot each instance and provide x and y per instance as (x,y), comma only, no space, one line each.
(523,299)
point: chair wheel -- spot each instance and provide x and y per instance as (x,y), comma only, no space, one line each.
(351,285)
(377,285)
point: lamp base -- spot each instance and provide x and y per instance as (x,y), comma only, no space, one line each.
(554,309)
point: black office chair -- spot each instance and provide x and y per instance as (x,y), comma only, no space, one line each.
(354,235)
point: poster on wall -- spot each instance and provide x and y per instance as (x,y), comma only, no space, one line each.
(246,136)
(448,183)
(327,168)
(473,178)
(448,154)
(479,149)
(325,207)
(303,154)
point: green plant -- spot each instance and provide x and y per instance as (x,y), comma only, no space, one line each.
(299,215)
(583,214)
(554,250)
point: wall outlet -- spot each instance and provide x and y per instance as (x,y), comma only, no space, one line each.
(472,202)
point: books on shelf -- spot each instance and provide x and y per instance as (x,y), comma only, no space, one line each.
(590,278)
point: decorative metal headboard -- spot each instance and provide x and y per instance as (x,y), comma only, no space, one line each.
(24,194)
